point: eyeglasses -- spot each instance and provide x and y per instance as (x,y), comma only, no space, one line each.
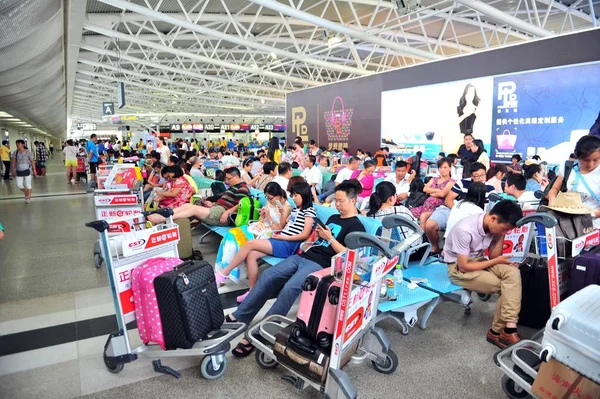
(227,178)
(478,176)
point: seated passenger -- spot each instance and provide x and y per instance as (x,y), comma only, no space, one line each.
(439,217)
(366,179)
(287,276)
(437,188)
(495,176)
(285,172)
(467,267)
(533,175)
(401,180)
(269,172)
(472,204)
(180,191)
(342,175)
(284,242)
(213,213)
(514,189)
(312,174)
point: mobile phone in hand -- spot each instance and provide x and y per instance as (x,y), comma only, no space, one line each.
(320,223)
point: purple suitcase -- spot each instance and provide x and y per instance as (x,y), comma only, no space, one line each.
(585,270)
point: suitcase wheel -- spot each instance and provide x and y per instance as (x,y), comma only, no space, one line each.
(112,367)
(324,339)
(556,323)
(389,365)
(546,355)
(334,296)
(296,330)
(512,390)
(310,284)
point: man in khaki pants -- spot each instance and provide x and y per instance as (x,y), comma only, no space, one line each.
(463,252)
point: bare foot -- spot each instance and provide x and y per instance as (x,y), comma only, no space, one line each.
(156,219)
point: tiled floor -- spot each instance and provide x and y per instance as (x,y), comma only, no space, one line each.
(56,311)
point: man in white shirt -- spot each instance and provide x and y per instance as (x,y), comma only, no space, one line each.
(311,173)
(285,173)
(401,179)
(515,189)
(342,175)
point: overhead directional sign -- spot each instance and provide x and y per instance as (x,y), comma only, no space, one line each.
(108,108)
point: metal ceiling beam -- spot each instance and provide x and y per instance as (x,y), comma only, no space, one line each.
(75,14)
(505,18)
(357,34)
(566,9)
(200,58)
(181,71)
(113,18)
(233,38)
(161,89)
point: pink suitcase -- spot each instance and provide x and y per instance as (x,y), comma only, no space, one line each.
(317,308)
(144,298)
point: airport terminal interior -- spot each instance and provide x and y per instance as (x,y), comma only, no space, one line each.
(113,107)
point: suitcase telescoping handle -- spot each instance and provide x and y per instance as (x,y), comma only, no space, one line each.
(546,219)
(357,240)
(164,212)
(99,225)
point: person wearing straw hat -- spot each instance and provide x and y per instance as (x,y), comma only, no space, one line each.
(584,178)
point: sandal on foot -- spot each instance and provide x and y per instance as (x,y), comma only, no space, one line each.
(242,350)
(220,278)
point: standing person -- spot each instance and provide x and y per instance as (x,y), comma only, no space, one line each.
(51,150)
(480,154)
(163,150)
(287,276)
(381,156)
(92,153)
(313,149)
(467,267)
(70,156)
(465,154)
(298,155)
(22,168)
(274,151)
(5,157)
(41,156)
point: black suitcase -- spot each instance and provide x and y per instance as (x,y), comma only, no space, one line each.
(301,354)
(535,299)
(189,304)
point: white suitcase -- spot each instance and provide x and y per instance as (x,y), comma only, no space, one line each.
(572,334)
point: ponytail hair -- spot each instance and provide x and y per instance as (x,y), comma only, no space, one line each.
(382,193)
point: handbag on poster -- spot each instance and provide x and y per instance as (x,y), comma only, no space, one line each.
(506,141)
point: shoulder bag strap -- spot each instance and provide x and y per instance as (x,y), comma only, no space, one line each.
(578,177)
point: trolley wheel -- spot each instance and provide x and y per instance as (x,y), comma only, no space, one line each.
(208,371)
(98,261)
(484,297)
(112,367)
(391,363)
(265,361)
(512,390)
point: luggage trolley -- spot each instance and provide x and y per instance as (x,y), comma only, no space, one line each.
(355,332)
(520,362)
(127,251)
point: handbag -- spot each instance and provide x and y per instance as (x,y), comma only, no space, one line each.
(23,173)
(338,122)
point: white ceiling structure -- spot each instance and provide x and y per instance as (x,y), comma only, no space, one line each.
(240,57)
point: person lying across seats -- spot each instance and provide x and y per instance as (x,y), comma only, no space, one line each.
(289,231)
(439,217)
(213,213)
(467,267)
(287,276)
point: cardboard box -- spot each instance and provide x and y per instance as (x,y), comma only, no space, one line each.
(557,381)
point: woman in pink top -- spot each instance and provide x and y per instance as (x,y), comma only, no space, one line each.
(298,155)
(366,179)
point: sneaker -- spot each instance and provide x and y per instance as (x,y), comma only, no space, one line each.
(509,339)
(27,200)
(241,298)
(220,278)
(495,339)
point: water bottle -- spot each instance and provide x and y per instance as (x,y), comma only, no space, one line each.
(398,280)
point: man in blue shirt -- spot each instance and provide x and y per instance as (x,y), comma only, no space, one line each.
(101,147)
(92,151)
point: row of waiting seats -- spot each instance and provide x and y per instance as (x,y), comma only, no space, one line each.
(403,310)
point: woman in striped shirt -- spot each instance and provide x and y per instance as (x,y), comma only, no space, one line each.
(282,244)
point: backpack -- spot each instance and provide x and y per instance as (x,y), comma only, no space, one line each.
(563,188)
(415,200)
(247,210)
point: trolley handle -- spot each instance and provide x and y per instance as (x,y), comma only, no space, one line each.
(99,225)
(544,218)
(391,221)
(164,212)
(357,240)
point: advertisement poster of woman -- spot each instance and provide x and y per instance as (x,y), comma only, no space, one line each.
(434,118)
